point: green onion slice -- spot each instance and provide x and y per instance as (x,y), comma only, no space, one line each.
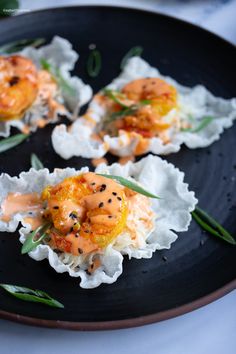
(35,238)
(129,184)
(17,46)
(35,162)
(30,295)
(94,63)
(212,226)
(9,143)
(115,96)
(203,124)
(128,110)
(55,72)
(133,52)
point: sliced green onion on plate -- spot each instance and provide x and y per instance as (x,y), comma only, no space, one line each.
(94,63)
(12,141)
(30,295)
(35,162)
(210,225)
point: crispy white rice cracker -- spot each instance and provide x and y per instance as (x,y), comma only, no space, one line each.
(173,214)
(197,102)
(60,54)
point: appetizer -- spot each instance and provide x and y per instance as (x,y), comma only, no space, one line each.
(143,111)
(85,222)
(36,87)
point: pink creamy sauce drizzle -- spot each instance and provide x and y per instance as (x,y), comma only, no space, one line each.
(22,203)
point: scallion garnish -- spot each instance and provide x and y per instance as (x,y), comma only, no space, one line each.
(115,96)
(205,121)
(35,238)
(129,184)
(17,46)
(133,52)
(124,112)
(94,63)
(30,295)
(210,225)
(9,143)
(55,72)
(35,162)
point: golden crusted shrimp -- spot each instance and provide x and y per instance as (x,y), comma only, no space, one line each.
(18,86)
(147,120)
(87,212)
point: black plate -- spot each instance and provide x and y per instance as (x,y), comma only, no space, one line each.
(197,265)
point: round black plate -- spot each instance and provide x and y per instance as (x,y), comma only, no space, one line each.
(197,265)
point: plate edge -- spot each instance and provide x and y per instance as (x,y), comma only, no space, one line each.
(121,324)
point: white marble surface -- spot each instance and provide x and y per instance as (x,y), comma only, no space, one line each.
(210,329)
(215,15)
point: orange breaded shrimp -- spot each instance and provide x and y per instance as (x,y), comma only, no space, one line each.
(18,86)
(156,99)
(87,212)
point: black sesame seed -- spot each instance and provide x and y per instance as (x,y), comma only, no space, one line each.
(72,216)
(14,80)
(101,205)
(92,265)
(164,258)
(93,184)
(119,198)
(56,207)
(114,193)
(103,187)
(71,229)
(80,250)
(109,200)
(47,239)
(76,235)
(109,216)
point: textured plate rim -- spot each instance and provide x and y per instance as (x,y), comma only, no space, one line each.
(142,320)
